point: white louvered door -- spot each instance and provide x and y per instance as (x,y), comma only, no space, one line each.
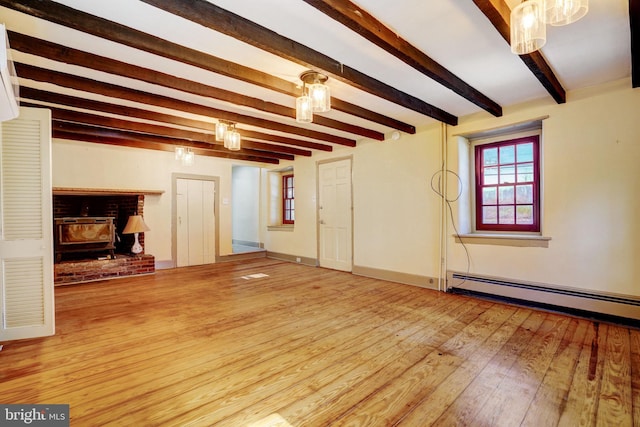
(26,237)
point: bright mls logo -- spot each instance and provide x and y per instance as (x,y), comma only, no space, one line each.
(34,415)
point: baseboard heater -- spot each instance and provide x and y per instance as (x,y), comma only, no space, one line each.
(565,299)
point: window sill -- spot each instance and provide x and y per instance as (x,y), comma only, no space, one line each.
(285,227)
(520,240)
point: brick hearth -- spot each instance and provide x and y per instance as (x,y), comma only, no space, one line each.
(69,272)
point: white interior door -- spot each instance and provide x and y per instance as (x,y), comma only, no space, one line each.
(195,222)
(335,215)
(26,227)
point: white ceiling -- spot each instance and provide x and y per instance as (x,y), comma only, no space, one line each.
(455,33)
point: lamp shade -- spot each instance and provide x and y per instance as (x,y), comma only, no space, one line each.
(563,12)
(135,224)
(528,31)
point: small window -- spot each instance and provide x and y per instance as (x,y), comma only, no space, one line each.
(288,202)
(507,177)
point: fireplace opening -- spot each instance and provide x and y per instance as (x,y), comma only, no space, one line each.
(89,227)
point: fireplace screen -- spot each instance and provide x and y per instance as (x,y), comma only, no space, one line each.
(84,234)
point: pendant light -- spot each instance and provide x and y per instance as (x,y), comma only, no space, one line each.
(316,96)
(528,31)
(232,139)
(189,157)
(304,110)
(221,129)
(563,12)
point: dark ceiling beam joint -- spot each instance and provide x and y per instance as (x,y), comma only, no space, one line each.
(498,12)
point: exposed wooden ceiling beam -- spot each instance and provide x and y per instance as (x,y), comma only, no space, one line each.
(252,138)
(27,93)
(139,140)
(101,130)
(81,21)
(366,25)
(159,145)
(221,20)
(56,52)
(634,24)
(189,138)
(115,91)
(498,12)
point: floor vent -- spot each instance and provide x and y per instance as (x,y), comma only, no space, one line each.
(560,298)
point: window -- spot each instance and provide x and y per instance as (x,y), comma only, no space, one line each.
(507,187)
(288,202)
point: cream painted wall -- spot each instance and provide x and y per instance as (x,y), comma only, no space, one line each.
(396,215)
(90,165)
(591,152)
(591,194)
(301,241)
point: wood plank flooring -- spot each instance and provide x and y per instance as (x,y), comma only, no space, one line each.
(206,345)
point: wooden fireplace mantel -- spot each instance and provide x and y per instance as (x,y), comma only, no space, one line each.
(68,191)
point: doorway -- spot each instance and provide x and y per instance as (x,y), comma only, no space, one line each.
(195,221)
(335,215)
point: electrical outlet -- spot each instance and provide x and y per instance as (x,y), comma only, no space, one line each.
(297,259)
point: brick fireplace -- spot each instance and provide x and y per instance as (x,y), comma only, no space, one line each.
(84,266)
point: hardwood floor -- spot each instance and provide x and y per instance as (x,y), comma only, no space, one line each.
(204,346)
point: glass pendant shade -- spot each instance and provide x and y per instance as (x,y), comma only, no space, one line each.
(528,31)
(320,97)
(563,12)
(180,153)
(221,129)
(189,158)
(232,140)
(304,109)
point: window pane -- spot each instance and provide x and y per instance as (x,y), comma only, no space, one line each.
(490,176)
(293,216)
(490,157)
(524,193)
(287,205)
(525,172)
(293,204)
(507,196)
(507,154)
(490,214)
(289,193)
(507,214)
(525,152)
(507,174)
(489,196)
(524,214)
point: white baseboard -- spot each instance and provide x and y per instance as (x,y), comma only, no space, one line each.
(618,305)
